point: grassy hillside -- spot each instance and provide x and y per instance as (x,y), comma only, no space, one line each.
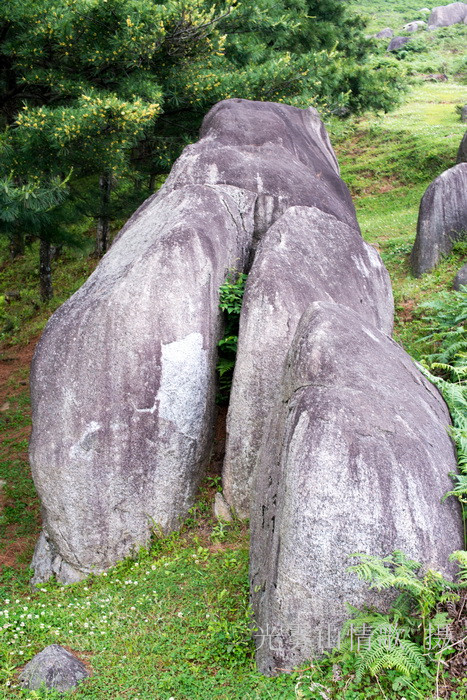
(173,622)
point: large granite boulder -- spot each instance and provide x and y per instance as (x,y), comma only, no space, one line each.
(123,377)
(442,219)
(446,15)
(462,152)
(308,255)
(54,667)
(398,42)
(123,384)
(460,279)
(356,459)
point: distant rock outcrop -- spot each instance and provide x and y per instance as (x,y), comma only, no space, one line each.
(398,42)
(385,33)
(308,255)
(461,278)
(345,467)
(414,26)
(446,15)
(462,152)
(442,219)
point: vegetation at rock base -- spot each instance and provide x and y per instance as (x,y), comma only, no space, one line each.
(173,621)
(230,302)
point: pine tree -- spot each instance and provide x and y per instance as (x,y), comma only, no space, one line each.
(113,88)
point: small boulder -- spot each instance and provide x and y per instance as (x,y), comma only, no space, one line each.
(464,114)
(446,15)
(398,42)
(356,459)
(221,508)
(385,33)
(414,26)
(442,219)
(55,668)
(462,152)
(460,279)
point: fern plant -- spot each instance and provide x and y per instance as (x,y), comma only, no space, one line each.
(230,302)
(446,368)
(402,639)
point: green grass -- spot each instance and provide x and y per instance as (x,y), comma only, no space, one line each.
(388,163)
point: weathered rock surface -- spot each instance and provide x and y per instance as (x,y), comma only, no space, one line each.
(414,26)
(221,509)
(446,15)
(123,377)
(306,256)
(123,384)
(461,278)
(356,459)
(398,42)
(464,114)
(385,33)
(55,668)
(462,152)
(442,219)
(276,156)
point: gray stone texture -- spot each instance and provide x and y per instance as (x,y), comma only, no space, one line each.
(356,459)
(442,219)
(464,114)
(385,33)
(446,15)
(414,26)
(461,278)
(123,378)
(398,42)
(277,156)
(308,255)
(123,384)
(462,152)
(54,667)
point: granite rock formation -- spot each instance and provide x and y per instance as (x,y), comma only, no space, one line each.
(308,255)
(346,466)
(442,219)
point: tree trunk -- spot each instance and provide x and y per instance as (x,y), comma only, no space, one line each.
(45,271)
(152,182)
(16,244)
(103,222)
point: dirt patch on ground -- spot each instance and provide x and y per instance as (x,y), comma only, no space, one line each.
(14,360)
(405,310)
(15,548)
